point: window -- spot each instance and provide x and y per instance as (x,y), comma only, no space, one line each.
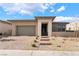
(63,29)
(57,27)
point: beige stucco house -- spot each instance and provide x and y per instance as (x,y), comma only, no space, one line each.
(40,26)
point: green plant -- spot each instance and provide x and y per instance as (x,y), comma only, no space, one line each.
(35,41)
(34,45)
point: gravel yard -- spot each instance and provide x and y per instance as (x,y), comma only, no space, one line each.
(65,44)
(25,43)
(17,43)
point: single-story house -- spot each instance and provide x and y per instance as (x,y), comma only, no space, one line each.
(40,26)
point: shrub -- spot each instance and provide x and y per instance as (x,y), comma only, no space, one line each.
(59,46)
(64,39)
(37,37)
(63,42)
(34,45)
(0,33)
(35,41)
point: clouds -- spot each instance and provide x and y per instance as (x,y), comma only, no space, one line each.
(62,8)
(66,19)
(23,8)
(52,10)
(29,8)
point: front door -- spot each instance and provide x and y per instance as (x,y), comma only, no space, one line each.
(44,30)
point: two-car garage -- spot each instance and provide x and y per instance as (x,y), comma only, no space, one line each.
(26,30)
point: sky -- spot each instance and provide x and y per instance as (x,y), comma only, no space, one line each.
(63,11)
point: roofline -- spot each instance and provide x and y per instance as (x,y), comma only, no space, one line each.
(32,20)
(60,22)
(6,22)
(45,17)
(29,20)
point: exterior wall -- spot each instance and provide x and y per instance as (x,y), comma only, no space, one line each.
(5,28)
(65,34)
(24,23)
(19,23)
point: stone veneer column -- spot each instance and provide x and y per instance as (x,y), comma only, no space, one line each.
(50,28)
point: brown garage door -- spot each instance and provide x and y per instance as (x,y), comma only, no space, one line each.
(26,30)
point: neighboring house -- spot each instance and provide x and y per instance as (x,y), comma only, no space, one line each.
(5,27)
(40,26)
(73,26)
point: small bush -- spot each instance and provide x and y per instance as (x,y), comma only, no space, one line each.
(35,41)
(64,39)
(53,39)
(63,42)
(34,45)
(58,46)
(0,33)
(37,37)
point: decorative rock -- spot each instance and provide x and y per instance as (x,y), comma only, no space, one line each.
(35,45)
(58,46)
(35,41)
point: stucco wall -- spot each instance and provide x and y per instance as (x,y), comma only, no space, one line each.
(65,34)
(24,23)
(5,28)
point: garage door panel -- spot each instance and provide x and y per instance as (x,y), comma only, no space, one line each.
(26,30)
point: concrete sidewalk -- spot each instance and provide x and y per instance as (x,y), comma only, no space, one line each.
(37,53)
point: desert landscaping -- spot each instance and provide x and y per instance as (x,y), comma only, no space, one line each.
(25,43)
